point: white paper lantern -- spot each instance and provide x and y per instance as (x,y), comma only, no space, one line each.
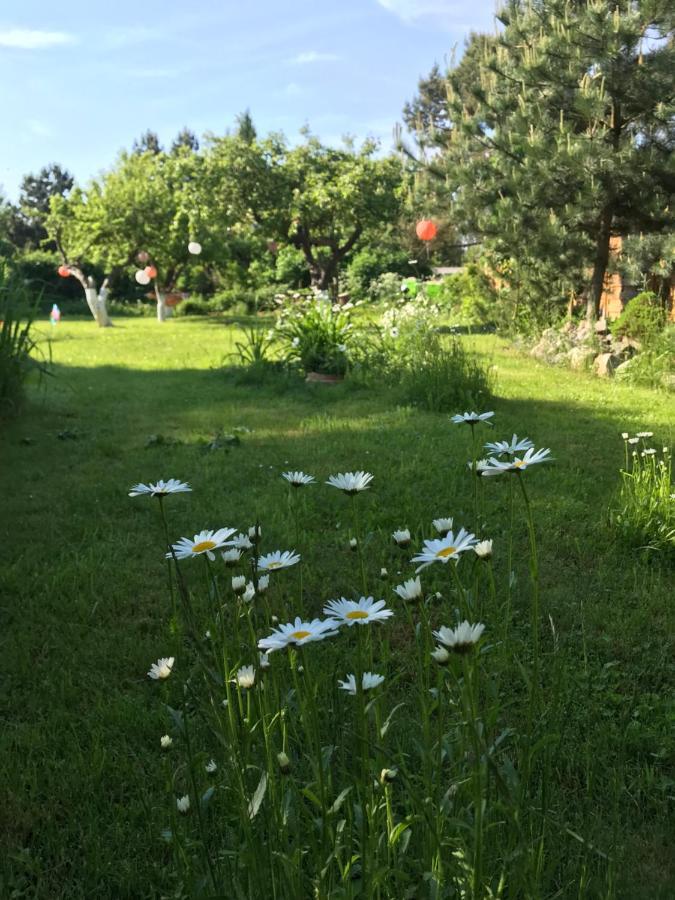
(194,248)
(142,277)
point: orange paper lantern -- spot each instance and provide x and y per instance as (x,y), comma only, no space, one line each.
(64,271)
(150,271)
(426,230)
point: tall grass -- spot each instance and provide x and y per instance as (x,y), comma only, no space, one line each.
(17,345)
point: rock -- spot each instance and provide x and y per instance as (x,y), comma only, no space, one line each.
(623,368)
(580,357)
(627,346)
(601,326)
(605,364)
(583,332)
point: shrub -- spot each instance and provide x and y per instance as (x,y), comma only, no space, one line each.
(467,297)
(16,342)
(643,318)
(316,335)
(654,365)
(370,263)
(194,306)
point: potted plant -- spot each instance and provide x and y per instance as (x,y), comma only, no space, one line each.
(316,335)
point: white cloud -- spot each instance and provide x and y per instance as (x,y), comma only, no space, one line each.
(34,39)
(312,56)
(449,13)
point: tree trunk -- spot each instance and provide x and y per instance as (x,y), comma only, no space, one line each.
(97,302)
(599,265)
(162,308)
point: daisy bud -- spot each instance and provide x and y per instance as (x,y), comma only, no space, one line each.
(275,620)
(249,593)
(383,573)
(483,549)
(263,583)
(401,537)
(284,763)
(239,584)
(254,533)
(183,803)
(231,557)
(388,775)
(353,544)
(165,741)
(441,656)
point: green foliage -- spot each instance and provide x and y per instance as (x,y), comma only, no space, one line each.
(654,365)
(643,318)
(317,336)
(372,261)
(291,267)
(38,269)
(17,343)
(467,297)
(644,511)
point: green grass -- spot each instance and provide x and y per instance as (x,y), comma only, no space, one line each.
(84,605)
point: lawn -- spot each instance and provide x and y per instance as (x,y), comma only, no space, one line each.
(84,605)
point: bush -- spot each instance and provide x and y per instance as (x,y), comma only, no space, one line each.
(654,365)
(316,335)
(370,263)
(643,318)
(17,309)
(194,306)
(467,297)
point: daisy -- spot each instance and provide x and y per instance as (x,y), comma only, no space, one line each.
(263,583)
(160,488)
(161,670)
(462,638)
(183,803)
(530,458)
(481,466)
(644,434)
(249,593)
(353,543)
(633,440)
(483,549)
(242,542)
(278,560)
(298,479)
(516,445)
(245,677)
(401,537)
(472,418)
(351,482)
(363,611)
(440,655)
(165,741)
(624,435)
(369,681)
(445,549)
(254,533)
(410,590)
(231,557)
(239,584)
(211,766)
(204,542)
(383,572)
(442,526)
(298,632)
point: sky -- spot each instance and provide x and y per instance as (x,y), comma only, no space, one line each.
(80,79)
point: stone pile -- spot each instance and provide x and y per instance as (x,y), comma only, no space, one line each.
(585,346)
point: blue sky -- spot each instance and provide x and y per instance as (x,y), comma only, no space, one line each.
(80,79)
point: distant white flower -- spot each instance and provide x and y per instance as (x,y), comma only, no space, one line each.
(624,435)
(245,677)
(530,458)
(249,593)
(515,445)
(183,804)
(445,549)
(162,668)
(383,572)
(472,418)
(361,612)
(263,583)
(211,766)
(353,543)
(401,537)
(633,440)
(410,590)
(369,680)
(278,560)
(160,488)
(462,638)
(645,434)
(296,341)
(204,542)
(442,526)
(649,451)
(264,661)
(165,741)
(298,632)
(298,479)
(342,347)
(351,482)
(242,542)
(393,332)
(239,584)
(231,557)
(440,655)
(483,549)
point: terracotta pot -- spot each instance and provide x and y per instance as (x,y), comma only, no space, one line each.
(322,378)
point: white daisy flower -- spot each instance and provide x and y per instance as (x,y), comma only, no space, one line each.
(353,543)
(211,766)
(483,549)
(633,440)
(231,557)
(401,537)
(264,660)
(530,458)
(298,479)
(239,584)
(645,434)
(351,482)
(245,677)
(445,549)
(369,680)
(161,670)
(361,612)
(249,593)
(383,572)
(183,803)
(440,655)
(442,526)
(165,741)
(472,418)
(160,488)
(298,632)
(242,542)
(278,560)
(650,451)
(624,435)
(462,638)
(263,583)
(410,590)
(204,542)
(512,447)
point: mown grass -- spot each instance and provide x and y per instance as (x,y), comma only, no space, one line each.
(84,604)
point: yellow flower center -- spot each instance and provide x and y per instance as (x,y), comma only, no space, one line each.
(274,565)
(299,635)
(202,546)
(446,551)
(518,463)
(357,614)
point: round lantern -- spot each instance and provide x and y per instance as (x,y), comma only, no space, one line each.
(150,271)
(142,277)
(63,271)
(426,230)
(194,248)
(142,256)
